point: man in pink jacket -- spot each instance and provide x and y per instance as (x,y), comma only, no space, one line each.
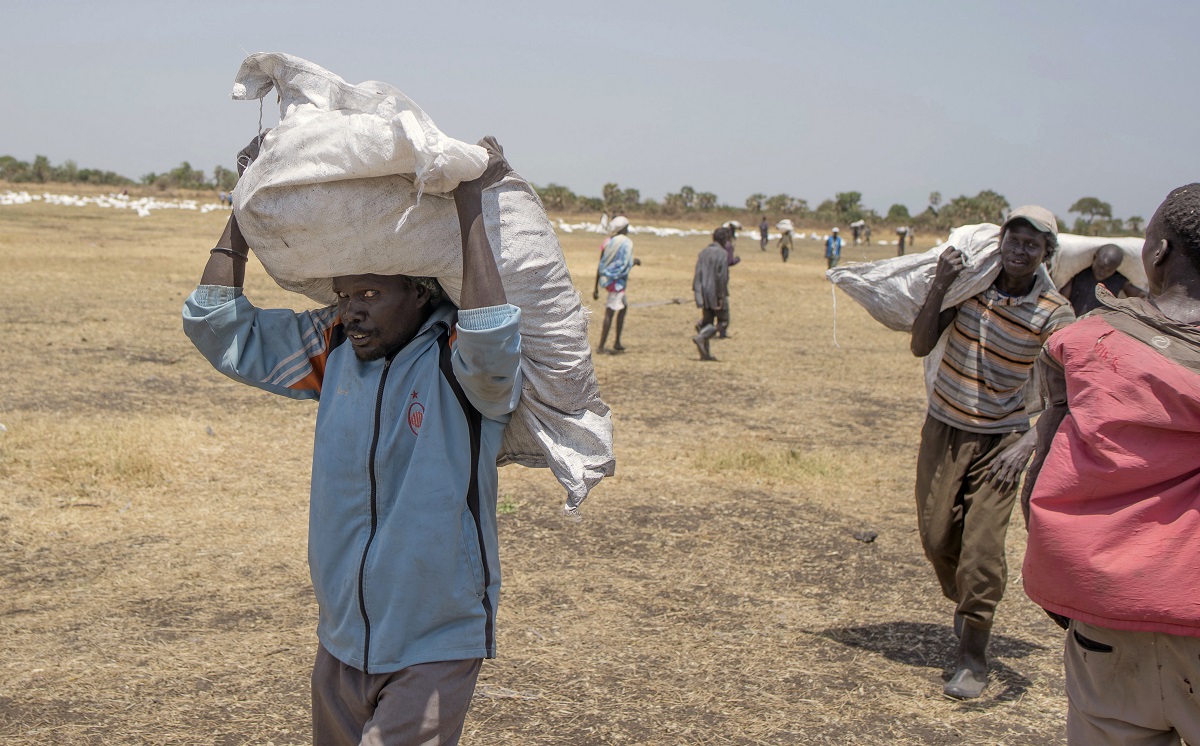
(1112,500)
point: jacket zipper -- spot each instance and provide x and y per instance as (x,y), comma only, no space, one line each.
(362,567)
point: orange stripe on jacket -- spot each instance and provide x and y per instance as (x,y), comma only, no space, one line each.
(316,376)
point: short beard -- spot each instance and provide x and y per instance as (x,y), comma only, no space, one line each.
(366,357)
(381,353)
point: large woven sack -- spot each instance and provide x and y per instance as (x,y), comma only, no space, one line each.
(893,290)
(1075,254)
(356,180)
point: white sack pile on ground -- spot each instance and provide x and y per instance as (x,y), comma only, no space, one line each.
(893,290)
(142,205)
(356,179)
(586,227)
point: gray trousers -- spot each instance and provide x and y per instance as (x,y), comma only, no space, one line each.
(422,705)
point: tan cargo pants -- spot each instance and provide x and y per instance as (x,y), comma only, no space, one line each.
(1131,687)
(963,520)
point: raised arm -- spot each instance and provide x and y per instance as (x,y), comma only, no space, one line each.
(227,261)
(277,350)
(481,285)
(931,320)
(487,350)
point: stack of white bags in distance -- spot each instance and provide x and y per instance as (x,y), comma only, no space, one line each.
(356,179)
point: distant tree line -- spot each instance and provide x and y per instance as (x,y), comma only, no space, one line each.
(42,171)
(184,176)
(1095,216)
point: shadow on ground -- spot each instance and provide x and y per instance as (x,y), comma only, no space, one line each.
(933,646)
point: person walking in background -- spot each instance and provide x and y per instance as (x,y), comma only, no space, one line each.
(785,239)
(710,286)
(764,230)
(1081,289)
(616,259)
(867,233)
(733,227)
(730,250)
(976,438)
(1112,499)
(833,248)
(901,236)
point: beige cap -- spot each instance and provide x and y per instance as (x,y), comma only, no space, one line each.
(1038,217)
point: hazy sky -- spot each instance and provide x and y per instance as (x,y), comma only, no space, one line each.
(1044,102)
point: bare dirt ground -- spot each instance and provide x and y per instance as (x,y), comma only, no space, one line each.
(153,579)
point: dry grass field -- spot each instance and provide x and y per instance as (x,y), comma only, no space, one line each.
(153,579)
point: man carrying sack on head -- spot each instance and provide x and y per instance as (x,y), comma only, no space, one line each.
(413,398)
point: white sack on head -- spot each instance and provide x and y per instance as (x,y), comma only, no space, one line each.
(355,179)
(894,289)
(1076,253)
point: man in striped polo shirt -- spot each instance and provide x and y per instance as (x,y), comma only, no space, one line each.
(976,440)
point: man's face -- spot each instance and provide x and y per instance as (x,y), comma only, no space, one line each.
(1106,262)
(380,313)
(1022,250)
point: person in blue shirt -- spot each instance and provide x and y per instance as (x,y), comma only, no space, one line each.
(616,259)
(413,396)
(833,248)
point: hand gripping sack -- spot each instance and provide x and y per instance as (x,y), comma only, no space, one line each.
(356,180)
(893,290)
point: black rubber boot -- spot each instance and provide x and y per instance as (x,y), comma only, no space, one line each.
(970,674)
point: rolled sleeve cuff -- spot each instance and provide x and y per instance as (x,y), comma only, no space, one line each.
(484,319)
(210,296)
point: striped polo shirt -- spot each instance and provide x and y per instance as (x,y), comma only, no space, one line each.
(990,349)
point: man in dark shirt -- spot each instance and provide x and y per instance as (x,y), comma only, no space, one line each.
(710,284)
(1081,289)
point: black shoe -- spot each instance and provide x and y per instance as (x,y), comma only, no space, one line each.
(965,684)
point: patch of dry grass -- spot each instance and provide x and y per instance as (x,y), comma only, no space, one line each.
(153,585)
(777,464)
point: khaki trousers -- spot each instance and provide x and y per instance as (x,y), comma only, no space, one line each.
(963,520)
(422,705)
(1131,687)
